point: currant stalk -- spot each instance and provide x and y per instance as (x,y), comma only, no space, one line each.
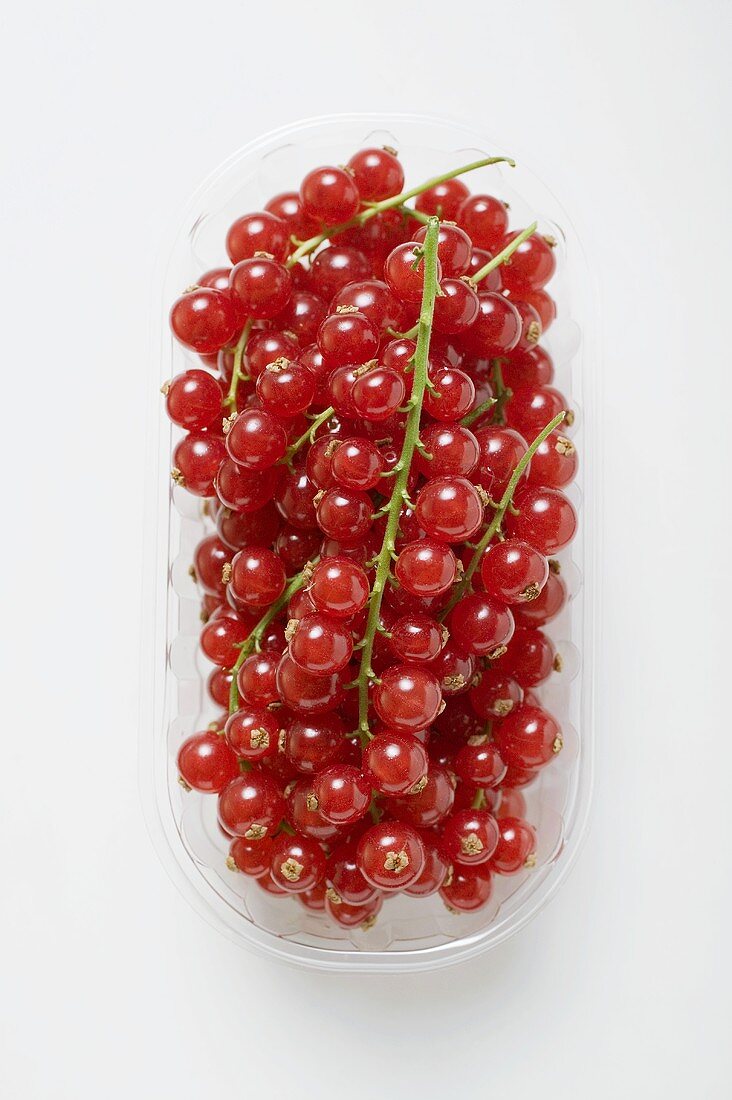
(500,510)
(237,374)
(399,492)
(252,642)
(309,435)
(373,209)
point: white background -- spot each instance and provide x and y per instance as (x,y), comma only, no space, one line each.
(111,986)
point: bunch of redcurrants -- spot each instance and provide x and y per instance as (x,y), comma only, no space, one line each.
(376,435)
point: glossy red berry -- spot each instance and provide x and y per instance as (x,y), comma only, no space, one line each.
(528,738)
(206,763)
(408,698)
(320,644)
(297,863)
(261,232)
(545,518)
(303,316)
(528,368)
(285,388)
(256,679)
(204,319)
(516,850)
(196,460)
(532,407)
(347,337)
(470,836)
(256,440)
(329,195)
(312,744)
(374,299)
(547,605)
(221,636)
(209,559)
(479,762)
(257,576)
(430,805)
(339,587)
(354,916)
(307,694)
(261,285)
(426,568)
(404,272)
(444,199)
(530,658)
(193,400)
(453,248)
(456,308)
(513,571)
(449,509)
(378,393)
(554,463)
(434,872)
(485,220)
(495,695)
(251,805)
(395,763)
(468,888)
(253,732)
(343,794)
(496,330)
(453,449)
(377,173)
(480,625)
(357,463)
(345,514)
(344,878)
(391,855)
(501,449)
(416,638)
(252,857)
(532,264)
(453,394)
(334,268)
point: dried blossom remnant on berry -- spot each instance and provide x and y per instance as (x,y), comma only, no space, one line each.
(291,869)
(332,447)
(449,876)
(396,861)
(502,707)
(555,566)
(558,745)
(479,739)
(445,634)
(263,256)
(184,785)
(497,652)
(530,592)
(256,832)
(307,572)
(231,863)
(165,388)
(533,332)
(558,662)
(281,740)
(419,786)
(564,446)
(227,423)
(192,573)
(347,309)
(277,365)
(178,477)
(530,860)
(471,845)
(291,629)
(569,418)
(259,739)
(333,896)
(290,788)
(369,922)
(454,683)
(459,570)
(226,572)
(318,497)
(311,801)
(484,496)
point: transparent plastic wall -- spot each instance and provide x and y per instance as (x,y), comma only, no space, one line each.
(410,933)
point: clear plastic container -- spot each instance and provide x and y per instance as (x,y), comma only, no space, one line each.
(410,934)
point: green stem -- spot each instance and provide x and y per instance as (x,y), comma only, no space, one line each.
(411,435)
(471,417)
(502,256)
(312,243)
(501,390)
(493,526)
(237,374)
(257,633)
(308,435)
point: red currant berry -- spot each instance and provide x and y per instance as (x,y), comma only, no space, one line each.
(221,636)
(344,877)
(530,658)
(265,346)
(257,576)
(430,805)
(530,326)
(209,559)
(343,794)
(528,738)
(513,572)
(345,514)
(302,809)
(252,857)
(453,394)
(484,219)
(554,463)
(545,519)
(434,873)
(195,461)
(495,695)
(339,587)
(480,625)
(193,400)
(532,407)
(303,316)
(285,389)
(416,638)
(204,320)
(251,805)
(294,498)
(454,668)
(256,440)
(296,548)
(288,207)
(449,509)
(378,393)
(261,232)
(395,763)
(244,490)
(404,272)
(544,304)
(453,249)
(456,309)
(479,762)
(357,464)
(347,337)
(321,645)
(377,173)
(261,285)
(467,889)
(516,849)
(528,368)
(206,763)
(253,732)
(256,680)
(334,268)
(329,195)
(307,694)
(501,450)
(314,743)
(532,264)
(353,916)
(546,606)
(443,200)
(391,855)
(454,451)
(426,568)
(219,686)
(470,836)
(298,863)
(407,698)
(372,298)
(496,330)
